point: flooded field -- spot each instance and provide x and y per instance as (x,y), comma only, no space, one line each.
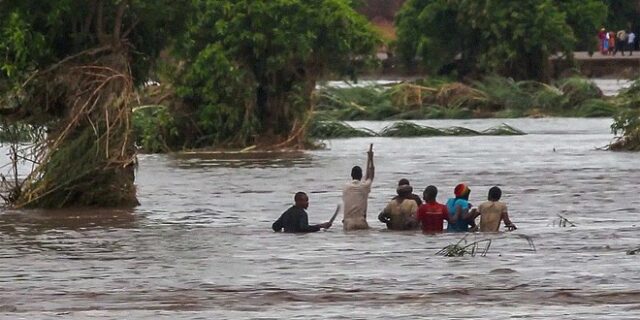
(200,245)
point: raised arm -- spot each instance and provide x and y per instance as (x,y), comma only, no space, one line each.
(371,171)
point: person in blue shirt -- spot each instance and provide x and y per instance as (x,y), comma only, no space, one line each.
(460,207)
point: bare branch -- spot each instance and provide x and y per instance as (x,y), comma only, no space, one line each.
(117,27)
(100,21)
(89,18)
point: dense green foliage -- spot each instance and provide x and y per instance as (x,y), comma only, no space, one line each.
(622,14)
(36,34)
(627,122)
(71,66)
(251,66)
(510,38)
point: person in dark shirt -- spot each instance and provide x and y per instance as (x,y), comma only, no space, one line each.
(295,219)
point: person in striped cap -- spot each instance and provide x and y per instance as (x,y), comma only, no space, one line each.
(459,206)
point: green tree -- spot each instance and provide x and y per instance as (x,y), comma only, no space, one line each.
(250,67)
(622,14)
(71,66)
(585,19)
(511,38)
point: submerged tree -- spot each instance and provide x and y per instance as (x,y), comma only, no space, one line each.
(510,38)
(71,67)
(250,67)
(626,123)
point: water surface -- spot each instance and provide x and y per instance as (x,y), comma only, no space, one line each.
(200,244)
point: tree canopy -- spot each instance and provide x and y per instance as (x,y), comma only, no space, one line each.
(71,66)
(512,38)
(250,66)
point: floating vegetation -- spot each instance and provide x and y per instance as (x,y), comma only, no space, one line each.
(481,247)
(503,130)
(633,251)
(409,129)
(563,222)
(338,129)
(463,248)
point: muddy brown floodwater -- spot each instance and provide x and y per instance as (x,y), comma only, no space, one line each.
(200,244)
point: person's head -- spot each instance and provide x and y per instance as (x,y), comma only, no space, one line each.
(494,194)
(301,199)
(462,191)
(356,173)
(430,193)
(404,189)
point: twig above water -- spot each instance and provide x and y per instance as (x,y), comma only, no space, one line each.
(564,222)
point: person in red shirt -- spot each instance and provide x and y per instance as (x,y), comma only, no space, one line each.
(432,214)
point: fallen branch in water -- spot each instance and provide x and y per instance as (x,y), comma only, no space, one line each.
(633,251)
(564,222)
(463,248)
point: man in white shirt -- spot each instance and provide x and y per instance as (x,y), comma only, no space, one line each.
(355,196)
(631,42)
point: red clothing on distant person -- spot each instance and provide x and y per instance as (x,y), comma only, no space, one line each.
(431,215)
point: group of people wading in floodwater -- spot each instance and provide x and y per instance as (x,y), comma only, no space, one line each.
(406,211)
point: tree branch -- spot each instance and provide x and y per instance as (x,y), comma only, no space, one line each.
(100,21)
(89,18)
(117,26)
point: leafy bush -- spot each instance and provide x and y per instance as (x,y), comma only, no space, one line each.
(155,129)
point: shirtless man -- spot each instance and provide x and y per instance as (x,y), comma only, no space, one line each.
(492,212)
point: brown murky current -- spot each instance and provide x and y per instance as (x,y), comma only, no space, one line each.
(200,245)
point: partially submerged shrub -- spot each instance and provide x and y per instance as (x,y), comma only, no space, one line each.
(577,90)
(409,129)
(154,128)
(593,108)
(337,129)
(502,130)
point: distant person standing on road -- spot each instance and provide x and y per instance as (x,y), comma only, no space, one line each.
(612,42)
(631,42)
(602,37)
(621,41)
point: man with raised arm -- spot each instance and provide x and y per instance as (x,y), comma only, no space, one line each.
(295,219)
(356,194)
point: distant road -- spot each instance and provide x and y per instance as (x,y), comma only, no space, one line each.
(583,55)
